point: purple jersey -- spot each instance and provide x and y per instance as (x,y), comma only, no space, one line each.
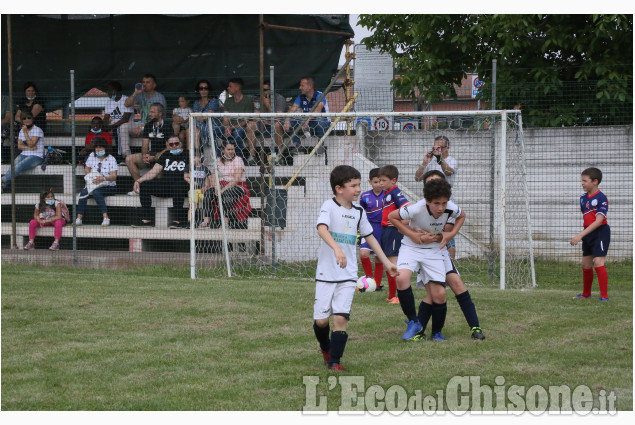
(372,204)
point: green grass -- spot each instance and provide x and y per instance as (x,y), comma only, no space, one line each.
(145,339)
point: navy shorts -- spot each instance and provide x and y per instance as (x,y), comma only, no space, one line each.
(376,233)
(390,241)
(596,243)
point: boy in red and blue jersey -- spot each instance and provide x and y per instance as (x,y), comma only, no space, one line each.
(596,235)
(373,202)
(390,236)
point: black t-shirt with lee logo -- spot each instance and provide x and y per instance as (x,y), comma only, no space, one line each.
(175,166)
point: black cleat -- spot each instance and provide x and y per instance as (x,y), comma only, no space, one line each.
(477,333)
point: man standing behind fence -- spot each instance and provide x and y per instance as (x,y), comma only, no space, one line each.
(144,95)
(116,113)
(438,158)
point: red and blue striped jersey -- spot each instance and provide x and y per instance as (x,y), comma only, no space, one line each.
(373,205)
(393,200)
(592,205)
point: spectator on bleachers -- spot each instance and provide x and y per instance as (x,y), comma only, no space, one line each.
(206,103)
(142,98)
(180,118)
(234,193)
(96,130)
(31,143)
(202,183)
(103,163)
(6,121)
(304,103)
(280,107)
(174,164)
(116,113)
(240,129)
(33,104)
(155,134)
(48,212)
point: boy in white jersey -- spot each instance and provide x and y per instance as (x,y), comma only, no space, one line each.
(339,221)
(454,281)
(420,248)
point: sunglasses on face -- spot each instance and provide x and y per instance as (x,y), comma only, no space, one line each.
(174,144)
(203,88)
(27,118)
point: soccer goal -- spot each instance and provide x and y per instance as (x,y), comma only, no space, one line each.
(266,226)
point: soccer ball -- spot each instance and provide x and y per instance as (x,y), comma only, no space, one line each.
(366,284)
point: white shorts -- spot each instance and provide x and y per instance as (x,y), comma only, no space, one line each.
(333,298)
(429,261)
(449,267)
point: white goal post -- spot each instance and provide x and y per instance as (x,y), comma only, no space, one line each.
(278,237)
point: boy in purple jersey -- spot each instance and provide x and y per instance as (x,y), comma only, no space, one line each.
(373,202)
(596,235)
(390,236)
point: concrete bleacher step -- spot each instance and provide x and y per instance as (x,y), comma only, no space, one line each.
(252,233)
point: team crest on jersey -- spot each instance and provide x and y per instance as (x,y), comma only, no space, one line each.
(388,198)
(594,202)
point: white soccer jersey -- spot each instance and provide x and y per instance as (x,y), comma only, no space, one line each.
(117,109)
(433,165)
(343,224)
(421,219)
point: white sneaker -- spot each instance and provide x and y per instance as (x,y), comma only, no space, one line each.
(78,222)
(133,193)
(106,222)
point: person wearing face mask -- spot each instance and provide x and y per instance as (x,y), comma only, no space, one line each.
(96,130)
(116,113)
(106,165)
(173,165)
(48,212)
(31,143)
(33,104)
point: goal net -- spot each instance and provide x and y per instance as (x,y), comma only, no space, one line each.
(259,219)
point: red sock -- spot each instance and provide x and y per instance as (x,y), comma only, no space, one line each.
(379,272)
(368,266)
(392,286)
(587,281)
(603,280)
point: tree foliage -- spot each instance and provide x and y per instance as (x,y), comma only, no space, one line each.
(563,69)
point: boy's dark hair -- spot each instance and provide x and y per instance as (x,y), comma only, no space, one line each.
(115,85)
(26,114)
(437,188)
(342,174)
(151,76)
(389,171)
(99,119)
(159,106)
(427,175)
(239,81)
(593,173)
(373,173)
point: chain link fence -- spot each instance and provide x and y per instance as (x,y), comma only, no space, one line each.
(567,128)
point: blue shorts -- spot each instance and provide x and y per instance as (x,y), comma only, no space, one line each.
(376,233)
(596,243)
(390,241)
(451,244)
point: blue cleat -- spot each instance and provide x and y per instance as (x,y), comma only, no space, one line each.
(582,296)
(438,337)
(413,327)
(604,299)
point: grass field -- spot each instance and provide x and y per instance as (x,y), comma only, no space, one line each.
(147,340)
